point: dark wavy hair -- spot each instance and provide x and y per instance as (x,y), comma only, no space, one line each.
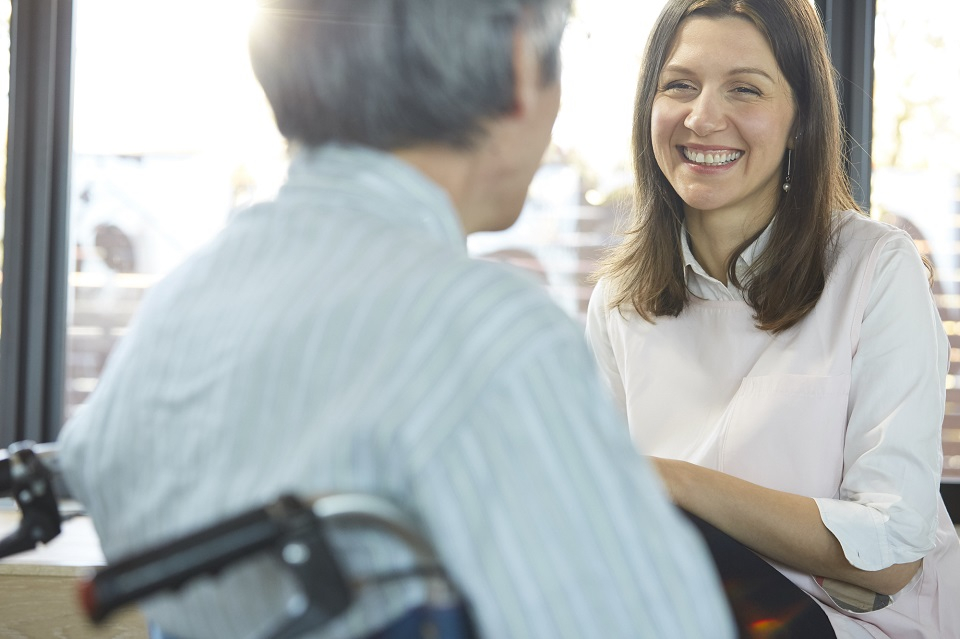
(786,280)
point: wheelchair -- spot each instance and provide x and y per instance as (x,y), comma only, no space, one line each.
(290,529)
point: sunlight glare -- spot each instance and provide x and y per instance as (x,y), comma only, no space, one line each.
(169,77)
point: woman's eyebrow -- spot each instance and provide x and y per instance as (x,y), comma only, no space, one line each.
(752,71)
(679,68)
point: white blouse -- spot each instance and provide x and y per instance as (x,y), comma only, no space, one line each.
(845,407)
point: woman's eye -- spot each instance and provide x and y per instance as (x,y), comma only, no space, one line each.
(677,86)
(747,91)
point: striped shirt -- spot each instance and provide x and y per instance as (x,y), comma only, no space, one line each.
(339,338)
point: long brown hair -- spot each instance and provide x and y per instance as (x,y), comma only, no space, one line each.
(786,280)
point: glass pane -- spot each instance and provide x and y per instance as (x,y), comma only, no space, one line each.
(170,134)
(916,184)
(585,183)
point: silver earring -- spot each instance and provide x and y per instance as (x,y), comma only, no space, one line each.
(786,180)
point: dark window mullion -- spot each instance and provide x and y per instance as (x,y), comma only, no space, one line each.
(35,251)
(850,28)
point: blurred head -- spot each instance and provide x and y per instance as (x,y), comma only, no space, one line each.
(393,74)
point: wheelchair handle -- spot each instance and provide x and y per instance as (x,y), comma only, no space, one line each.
(47,454)
(169,566)
(285,522)
(25,476)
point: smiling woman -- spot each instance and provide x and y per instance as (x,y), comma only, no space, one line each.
(777,352)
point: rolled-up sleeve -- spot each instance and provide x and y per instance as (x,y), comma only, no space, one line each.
(886,512)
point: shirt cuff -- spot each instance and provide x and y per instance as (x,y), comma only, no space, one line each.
(861,532)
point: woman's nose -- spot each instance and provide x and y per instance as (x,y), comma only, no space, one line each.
(706,115)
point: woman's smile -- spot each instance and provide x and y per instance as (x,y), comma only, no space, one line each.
(710,157)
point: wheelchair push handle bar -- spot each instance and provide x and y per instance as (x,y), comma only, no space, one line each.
(293,529)
(205,552)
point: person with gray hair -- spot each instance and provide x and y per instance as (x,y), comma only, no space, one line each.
(339,338)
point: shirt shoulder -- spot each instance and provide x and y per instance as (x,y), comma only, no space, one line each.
(502,319)
(863,247)
(858,232)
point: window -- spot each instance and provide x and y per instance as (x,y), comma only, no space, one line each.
(170,134)
(916,181)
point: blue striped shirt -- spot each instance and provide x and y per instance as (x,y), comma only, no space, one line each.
(339,338)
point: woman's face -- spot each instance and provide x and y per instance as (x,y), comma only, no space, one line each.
(722,119)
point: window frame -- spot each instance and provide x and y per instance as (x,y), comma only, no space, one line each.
(35,221)
(850,27)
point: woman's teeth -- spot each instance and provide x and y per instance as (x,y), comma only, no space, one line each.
(711,158)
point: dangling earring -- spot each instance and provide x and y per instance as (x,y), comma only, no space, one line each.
(786,180)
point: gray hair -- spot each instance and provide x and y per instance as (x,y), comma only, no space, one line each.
(392,74)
